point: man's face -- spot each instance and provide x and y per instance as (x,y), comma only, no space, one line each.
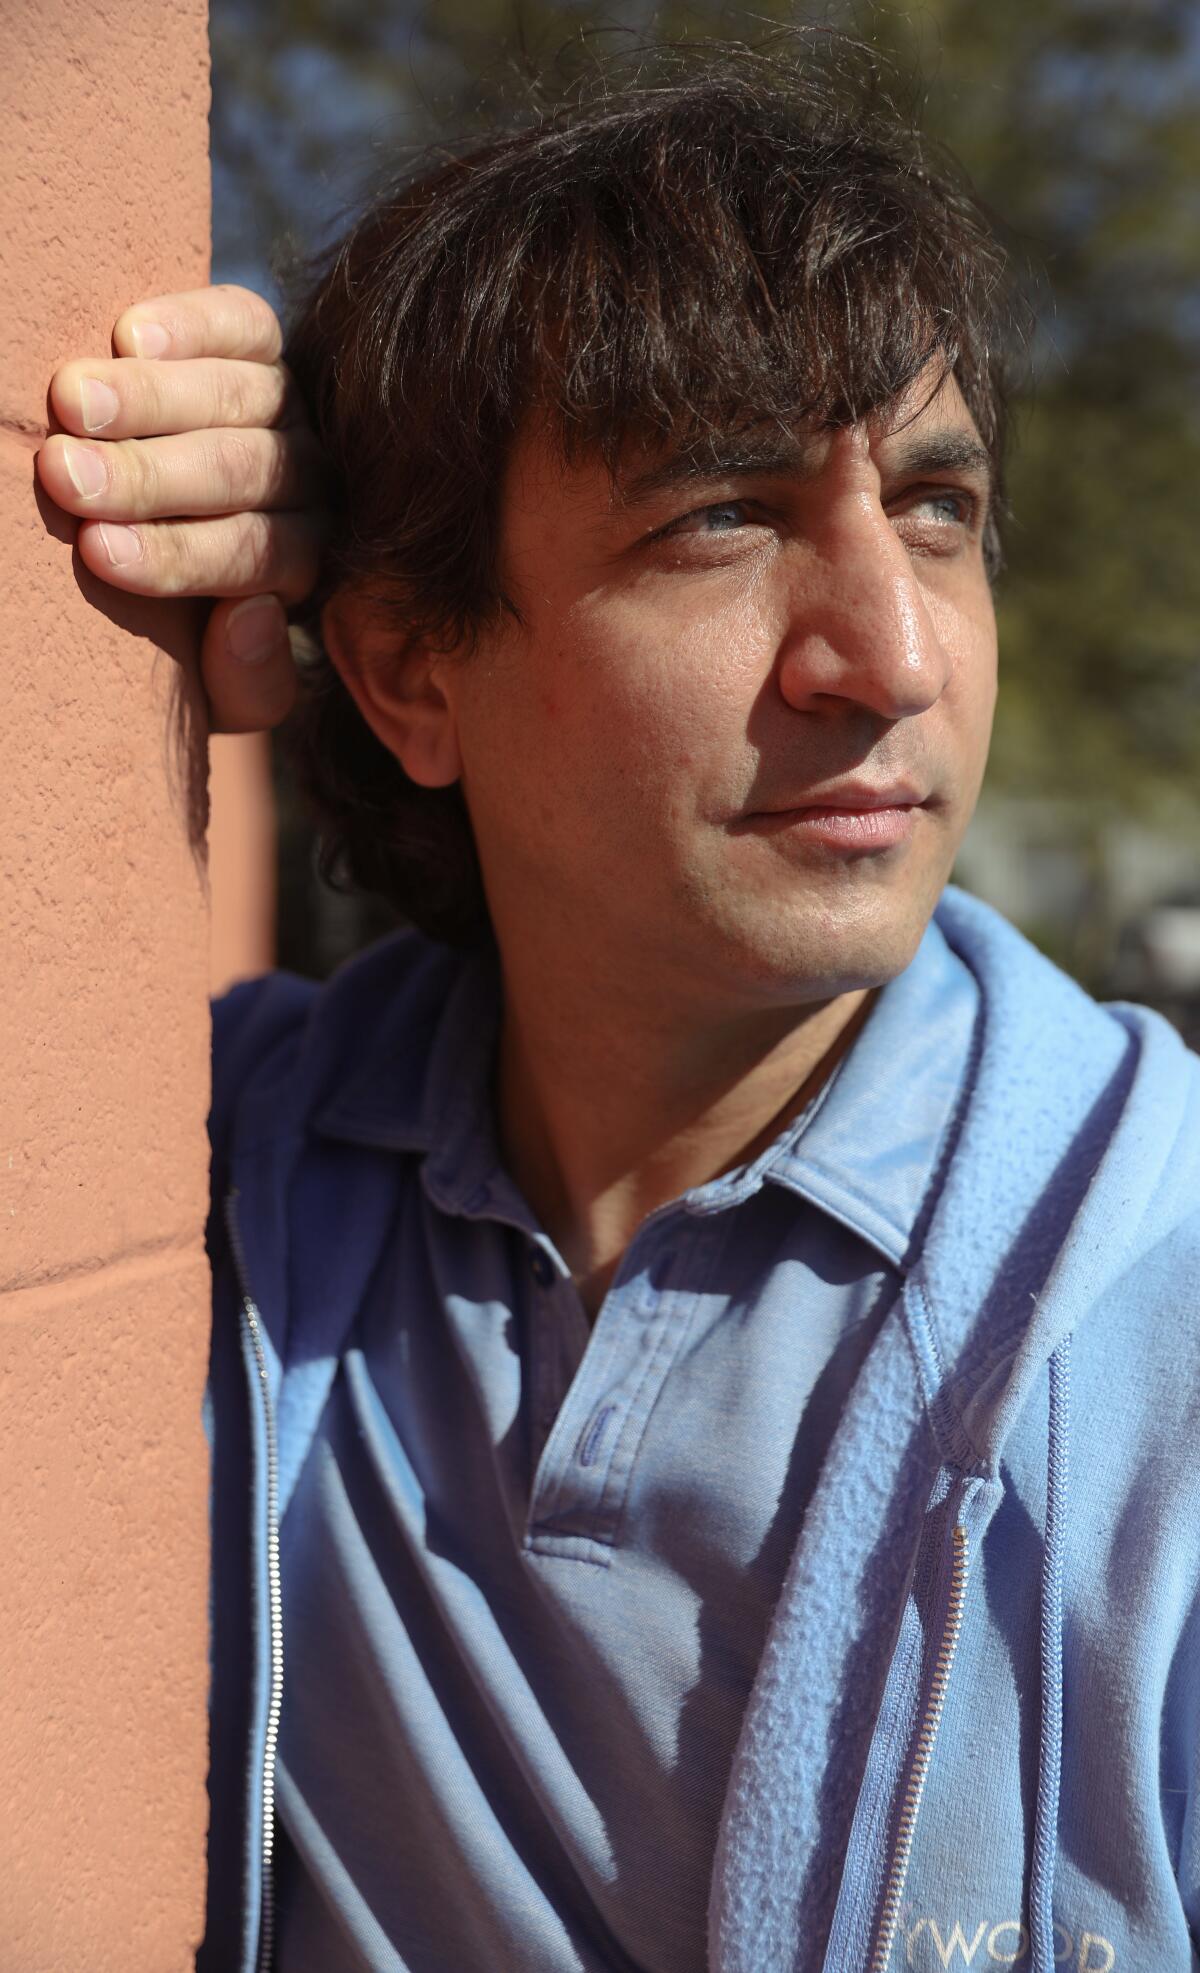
(710,660)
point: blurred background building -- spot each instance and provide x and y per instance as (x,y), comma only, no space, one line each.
(1079,121)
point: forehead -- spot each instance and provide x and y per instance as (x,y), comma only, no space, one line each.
(929,424)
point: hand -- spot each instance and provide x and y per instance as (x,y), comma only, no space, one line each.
(198,477)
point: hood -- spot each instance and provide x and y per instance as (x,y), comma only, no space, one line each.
(1075,1151)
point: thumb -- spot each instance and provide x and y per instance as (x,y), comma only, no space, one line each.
(247,665)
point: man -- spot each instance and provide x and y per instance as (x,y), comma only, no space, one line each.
(654,1524)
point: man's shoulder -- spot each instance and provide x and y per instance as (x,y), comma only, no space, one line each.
(1081,1132)
(1036,1010)
(283,1046)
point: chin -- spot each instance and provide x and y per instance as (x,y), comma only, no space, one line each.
(820,943)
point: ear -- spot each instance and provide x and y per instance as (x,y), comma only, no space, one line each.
(396,686)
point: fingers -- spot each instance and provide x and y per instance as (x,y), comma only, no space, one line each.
(196,473)
(124,398)
(246,662)
(188,461)
(235,555)
(220,321)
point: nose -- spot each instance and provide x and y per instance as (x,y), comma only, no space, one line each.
(859,628)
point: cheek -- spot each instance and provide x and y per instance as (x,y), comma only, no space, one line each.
(982,680)
(967,629)
(659,693)
(623,725)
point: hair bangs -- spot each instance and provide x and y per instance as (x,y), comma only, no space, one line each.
(750,281)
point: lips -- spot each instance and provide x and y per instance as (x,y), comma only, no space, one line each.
(847,817)
(841,797)
(854,796)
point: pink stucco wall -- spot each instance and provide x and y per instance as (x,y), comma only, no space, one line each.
(103,976)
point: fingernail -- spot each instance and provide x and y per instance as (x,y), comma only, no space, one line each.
(121,544)
(255,629)
(149,338)
(89,474)
(98,403)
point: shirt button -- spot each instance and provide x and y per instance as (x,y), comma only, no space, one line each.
(541,1267)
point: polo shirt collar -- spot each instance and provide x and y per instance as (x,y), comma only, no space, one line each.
(869,1149)
(864,1151)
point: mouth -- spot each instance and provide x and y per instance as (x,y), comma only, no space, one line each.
(845,818)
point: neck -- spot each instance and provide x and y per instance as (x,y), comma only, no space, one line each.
(611,1105)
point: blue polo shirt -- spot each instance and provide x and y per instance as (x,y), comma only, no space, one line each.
(529,1566)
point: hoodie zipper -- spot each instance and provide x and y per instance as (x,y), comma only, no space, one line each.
(252,1322)
(906,1828)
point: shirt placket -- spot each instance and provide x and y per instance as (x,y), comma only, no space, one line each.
(588,1452)
(558,1340)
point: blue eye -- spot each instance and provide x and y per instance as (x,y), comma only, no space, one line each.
(957,508)
(723,517)
(729,514)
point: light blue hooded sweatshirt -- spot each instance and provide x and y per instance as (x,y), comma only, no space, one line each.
(1011,1500)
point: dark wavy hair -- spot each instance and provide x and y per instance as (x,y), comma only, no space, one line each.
(700,240)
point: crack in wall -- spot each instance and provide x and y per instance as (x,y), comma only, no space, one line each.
(26,432)
(80,1283)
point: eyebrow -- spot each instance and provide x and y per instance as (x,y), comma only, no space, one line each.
(950,451)
(774,455)
(779,456)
